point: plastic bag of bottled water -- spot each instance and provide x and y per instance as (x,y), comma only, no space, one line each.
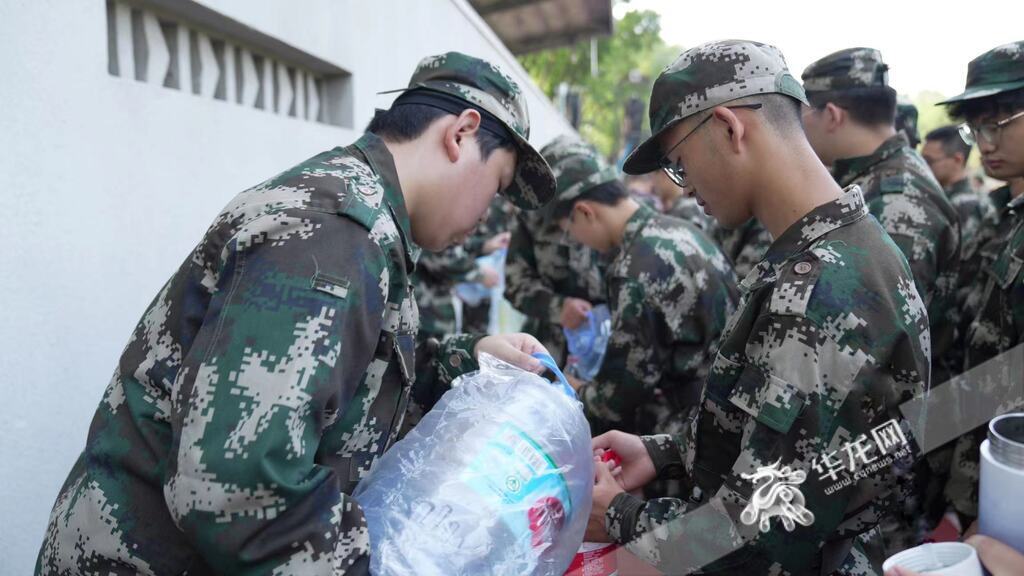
(496,479)
(587,344)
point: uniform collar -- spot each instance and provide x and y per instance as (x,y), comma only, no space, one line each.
(634,225)
(382,163)
(846,170)
(1004,201)
(830,216)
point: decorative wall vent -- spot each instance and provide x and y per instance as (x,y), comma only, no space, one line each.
(183,45)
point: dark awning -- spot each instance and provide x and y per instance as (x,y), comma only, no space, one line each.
(529,25)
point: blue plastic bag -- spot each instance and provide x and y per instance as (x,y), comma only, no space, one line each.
(588,343)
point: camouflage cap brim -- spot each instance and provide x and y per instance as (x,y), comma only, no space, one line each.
(701,78)
(534,184)
(646,157)
(984,91)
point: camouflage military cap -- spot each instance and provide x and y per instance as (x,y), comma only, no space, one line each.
(1001,69)
(577,166)
(847,69)
(487,87)
(706,76)
(906,122)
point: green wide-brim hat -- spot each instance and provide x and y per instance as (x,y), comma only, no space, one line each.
(1001,69)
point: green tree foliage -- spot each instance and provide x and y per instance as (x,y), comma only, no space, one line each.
(635,44)
(930,116)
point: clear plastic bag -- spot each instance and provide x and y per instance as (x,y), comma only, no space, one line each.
(587,344)
(496,479)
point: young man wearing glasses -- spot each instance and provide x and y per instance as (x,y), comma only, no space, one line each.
(830,336)
(946,152)
(992,108)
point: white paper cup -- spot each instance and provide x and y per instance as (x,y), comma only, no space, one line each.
(938,559)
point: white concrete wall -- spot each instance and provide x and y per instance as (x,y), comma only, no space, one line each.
(106,183)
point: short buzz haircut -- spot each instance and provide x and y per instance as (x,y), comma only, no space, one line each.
(1008,102)
(779,111)
(868,106)
(951,141)
(608,194)
(408,122)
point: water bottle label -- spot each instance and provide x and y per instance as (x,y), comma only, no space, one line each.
(522,484)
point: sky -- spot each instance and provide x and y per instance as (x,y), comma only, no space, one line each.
(927,44)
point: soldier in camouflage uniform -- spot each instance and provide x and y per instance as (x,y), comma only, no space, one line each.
(275,365)
(993,107)
(946,154)
(551,279)
(906,122)
(670,290)
(436,275)
(850,123)
(830,336)
(853,84)
(745,245)
(494,233)
(688,209)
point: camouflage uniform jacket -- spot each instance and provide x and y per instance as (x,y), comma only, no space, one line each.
(997,309)
(261,384)
(670,291)
(687,208)
(542,269)
(830,337)
(902,194)
(744,245)
(999,323)
(436,275)
(500,217)
(977,218)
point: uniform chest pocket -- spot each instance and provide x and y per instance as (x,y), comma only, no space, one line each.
(772,401)
(722,379)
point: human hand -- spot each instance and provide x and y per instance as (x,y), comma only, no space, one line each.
(636,464)
(574,312)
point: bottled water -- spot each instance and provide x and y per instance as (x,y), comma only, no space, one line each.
(496,479)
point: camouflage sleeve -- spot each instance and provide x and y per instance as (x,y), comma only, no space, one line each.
(928,234)
(289,333)
(525,288)
(439,363)
(474,245)
(499,218)
(776,426)
(977,226)
(633,362)
(666,453)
